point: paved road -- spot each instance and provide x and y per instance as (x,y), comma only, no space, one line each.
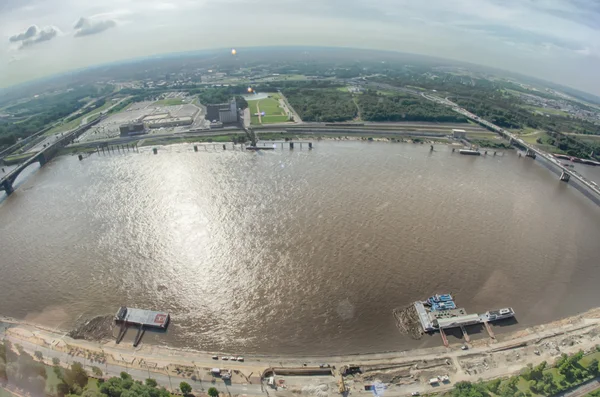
(170,382)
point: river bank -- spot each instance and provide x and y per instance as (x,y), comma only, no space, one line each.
(484,141)
(402,371)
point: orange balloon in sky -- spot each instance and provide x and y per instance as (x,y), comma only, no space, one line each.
(233,51)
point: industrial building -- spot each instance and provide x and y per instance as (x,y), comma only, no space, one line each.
(134,128)
(170,122)
(226,113)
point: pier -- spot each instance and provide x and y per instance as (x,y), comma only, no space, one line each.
(143,319)
(439,313)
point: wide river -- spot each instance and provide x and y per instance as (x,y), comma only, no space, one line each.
(295,252)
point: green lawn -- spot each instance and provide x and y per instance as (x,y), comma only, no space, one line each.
(585,361)
(169,102)
(482,135)
(270,105)
(18,158)
(6,393)
(586,137)
(550,111)
(52,380)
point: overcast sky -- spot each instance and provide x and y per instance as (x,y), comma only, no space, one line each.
(558,40)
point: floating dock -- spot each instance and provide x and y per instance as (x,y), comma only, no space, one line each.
(143,319)
(440,312)
(469,152)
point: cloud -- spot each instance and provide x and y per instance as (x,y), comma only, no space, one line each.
(87,26)
(46,34)
(34,35)
(29,33)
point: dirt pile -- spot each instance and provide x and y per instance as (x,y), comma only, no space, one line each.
(407,321)
(98,328)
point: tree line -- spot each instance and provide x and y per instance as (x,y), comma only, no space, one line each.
(380,107)
(328,105)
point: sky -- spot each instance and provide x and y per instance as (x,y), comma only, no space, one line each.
(556,40)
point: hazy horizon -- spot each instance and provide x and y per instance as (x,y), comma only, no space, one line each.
(548,39)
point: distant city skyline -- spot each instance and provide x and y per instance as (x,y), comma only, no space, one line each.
(554,40)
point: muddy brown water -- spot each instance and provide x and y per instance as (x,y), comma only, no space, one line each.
(295,252)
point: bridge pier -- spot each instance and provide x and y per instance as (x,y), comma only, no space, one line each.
(565,177)
(530,153)
(8,187)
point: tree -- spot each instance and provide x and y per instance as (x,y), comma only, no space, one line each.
(96,371)
(62,389)
(75,377)
(493,385)
(55,361)
(213,392)
(91,393)
(241,102)
(38,355)
(125,375)
(151,382)
(185,388)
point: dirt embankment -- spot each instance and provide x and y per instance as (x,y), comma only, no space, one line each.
(407,321)
(96,329)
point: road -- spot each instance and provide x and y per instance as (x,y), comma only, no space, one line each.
(297,118)
(203,382)
(582,390)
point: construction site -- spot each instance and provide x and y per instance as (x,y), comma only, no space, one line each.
(396,373)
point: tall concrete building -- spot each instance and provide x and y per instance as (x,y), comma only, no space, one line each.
(226,113)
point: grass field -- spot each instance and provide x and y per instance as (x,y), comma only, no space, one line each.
(6,393)
(550,111)
(587,137)
(18,158)
(169,102)
(482,135)
(270,105)
(52,380)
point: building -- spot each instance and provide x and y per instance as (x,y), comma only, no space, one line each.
(170,122)
(226,113)
(133,128)
(459,134)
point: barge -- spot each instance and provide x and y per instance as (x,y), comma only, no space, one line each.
(440,312)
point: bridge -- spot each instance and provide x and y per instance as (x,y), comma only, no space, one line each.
(7,182)
(530,150)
